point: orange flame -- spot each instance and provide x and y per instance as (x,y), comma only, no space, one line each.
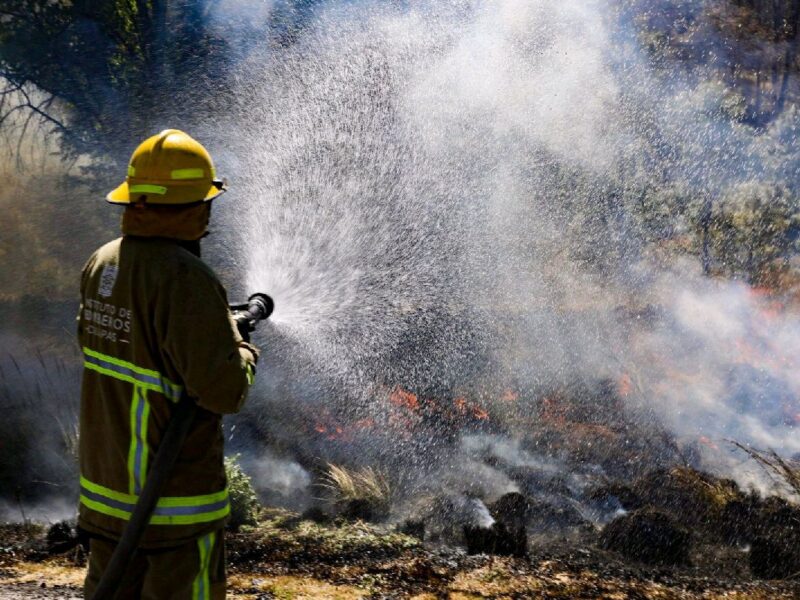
(479,413)
(707,442)
(405,399)
(509,395)
(463,407)
(624,385)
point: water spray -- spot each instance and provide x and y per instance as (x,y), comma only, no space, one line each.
(247,316)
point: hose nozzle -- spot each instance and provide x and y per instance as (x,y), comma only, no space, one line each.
(259,307)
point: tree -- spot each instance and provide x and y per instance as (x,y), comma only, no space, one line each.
(103,75)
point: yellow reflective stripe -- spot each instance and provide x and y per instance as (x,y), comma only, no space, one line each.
(106,510)
(108,492)
(165,501)
(148,188)
(155,380)
(251,376)
(169,501)
(143,439)
(200,587)
(138,450)
(172,394)
(173,510)
(114,374)
(188,174)
(121,363)
(206,517)
(132,483)
(131,171)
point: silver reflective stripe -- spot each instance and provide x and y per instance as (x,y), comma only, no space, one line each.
(201,589)
(170,510)
(120,369)
(137,454)
(160,511)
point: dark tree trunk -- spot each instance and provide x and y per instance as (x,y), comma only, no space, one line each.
(790,56)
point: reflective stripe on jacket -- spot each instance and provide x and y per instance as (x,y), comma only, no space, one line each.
(154,325)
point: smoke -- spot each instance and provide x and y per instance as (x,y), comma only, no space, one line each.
(722,365)
(39,391)
(278,481)
(478,199)
(440,196)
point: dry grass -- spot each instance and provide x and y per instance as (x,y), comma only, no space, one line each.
(784,472)
(714,493)
(290,558)
(54,572)
(346,485)
(291,587)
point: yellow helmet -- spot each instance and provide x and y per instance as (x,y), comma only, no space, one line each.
(169,168)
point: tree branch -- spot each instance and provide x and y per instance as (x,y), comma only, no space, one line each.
(37,109)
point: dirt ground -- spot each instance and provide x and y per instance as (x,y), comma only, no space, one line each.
(286,557)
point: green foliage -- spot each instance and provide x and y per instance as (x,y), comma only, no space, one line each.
(754,227)
(110,71)
(244,501)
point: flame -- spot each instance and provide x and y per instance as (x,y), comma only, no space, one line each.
(509,395)
(770,307)
(707,442)
(624,385)
(465,408)
(552,411)
(404,399)
(480,413)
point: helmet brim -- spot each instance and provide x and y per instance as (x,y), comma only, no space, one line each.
(175,195)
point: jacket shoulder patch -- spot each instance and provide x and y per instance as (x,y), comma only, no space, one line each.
(107,280)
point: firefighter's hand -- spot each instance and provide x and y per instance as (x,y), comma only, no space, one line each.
(245,326)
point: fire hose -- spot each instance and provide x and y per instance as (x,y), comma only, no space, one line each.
(258,308)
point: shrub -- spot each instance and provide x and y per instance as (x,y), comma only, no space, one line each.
(649,536)
(243,498)
(754,228)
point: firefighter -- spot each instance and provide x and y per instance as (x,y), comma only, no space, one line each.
(154,325)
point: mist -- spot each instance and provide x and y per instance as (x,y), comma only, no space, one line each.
(473,201)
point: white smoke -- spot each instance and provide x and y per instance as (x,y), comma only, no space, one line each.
(280,481)
(476,158)
(722,364)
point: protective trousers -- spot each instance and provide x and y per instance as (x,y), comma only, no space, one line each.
(193,571)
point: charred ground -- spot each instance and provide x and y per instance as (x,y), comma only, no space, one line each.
(288,556)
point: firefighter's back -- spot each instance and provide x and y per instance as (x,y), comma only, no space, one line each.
(133,290)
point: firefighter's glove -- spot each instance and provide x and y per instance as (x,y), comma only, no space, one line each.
(245,325)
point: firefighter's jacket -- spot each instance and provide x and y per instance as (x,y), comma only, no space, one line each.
(154,325)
